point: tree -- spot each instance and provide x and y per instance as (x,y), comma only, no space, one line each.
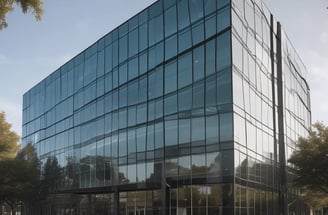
(310,162)
(8,139)
(32,6)
(19,178)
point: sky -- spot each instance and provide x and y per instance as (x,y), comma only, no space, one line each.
(30,50)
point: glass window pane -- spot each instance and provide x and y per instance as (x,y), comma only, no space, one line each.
(170,21)
(198,61)
(184,40)
(185,99)
(223,51)
(171,132)
(170,104)
(223,19)
(183,14)
(171,47)
(170,77)
(226,127)
(185,70)
(196,10)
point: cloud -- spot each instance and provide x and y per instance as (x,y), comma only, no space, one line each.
(324,38)
(318,78)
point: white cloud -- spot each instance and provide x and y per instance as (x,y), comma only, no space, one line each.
(317,65)
(324,38)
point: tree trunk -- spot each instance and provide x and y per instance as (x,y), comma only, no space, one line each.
(12,210)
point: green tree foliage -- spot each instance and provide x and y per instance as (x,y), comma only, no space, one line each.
(19,178)
(311,162)
(32,6)
(8,139)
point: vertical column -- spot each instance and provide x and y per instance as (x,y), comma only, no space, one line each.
(274,115)
(282,155)
(116,202)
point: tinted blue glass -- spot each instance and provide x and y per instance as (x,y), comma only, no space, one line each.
(133,93)
(151,58)
(184,131)
(223,19)
(101,63)
(196,10)
(170,21)
(143,63)
(141,139)
(155,84)
(184,40)
(226,127)
(115,78)
(115,121)
(151,32)
(222,3)
(108,103)
(90,69)
(108,58)
(159,135)
(211,91)
(185,70)
(159,53)
(123,48)
(151,110)
(143,90)
(123,96)
(108,82)
(132,141)
(212,130)
(198,95)
(210,57)
(132,115)
(141,113)
(199,64)
(114,145)
(170,104)
(143,36)
(159,28)
(169,3)
(223,51)
(224,87)
(115,53)
(171,47)
(210,26)
(198,33)
(78,80)
(209,6)
(183,14)
(171,132)
(90,93)
(159,108)
(150,137)
(170,77)
(197,131)
(185,99)
(133,42)
(133,68)
(122,144)
(123,74)
(115,99)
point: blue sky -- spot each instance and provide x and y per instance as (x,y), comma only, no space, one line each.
(29,50)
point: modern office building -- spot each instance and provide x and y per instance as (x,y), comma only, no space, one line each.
(190,107)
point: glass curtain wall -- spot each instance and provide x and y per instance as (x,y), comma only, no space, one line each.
(148,104)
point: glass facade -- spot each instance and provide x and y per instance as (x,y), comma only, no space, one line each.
(173,112)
